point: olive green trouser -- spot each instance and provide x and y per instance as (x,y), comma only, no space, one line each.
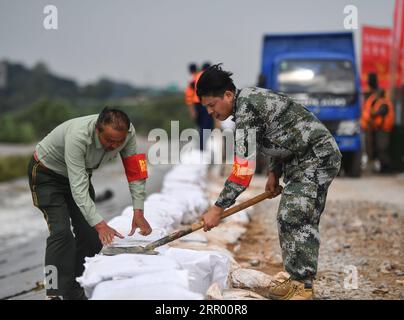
(65,250)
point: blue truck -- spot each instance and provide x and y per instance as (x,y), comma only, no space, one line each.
(319,70)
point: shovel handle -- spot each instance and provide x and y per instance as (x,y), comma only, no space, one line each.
(244,205)
(198,225)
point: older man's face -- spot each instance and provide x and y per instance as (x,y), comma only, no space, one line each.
(219,107)
(111,138)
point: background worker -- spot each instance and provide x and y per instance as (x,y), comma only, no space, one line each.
(377,121)
(203,119)
(189,93)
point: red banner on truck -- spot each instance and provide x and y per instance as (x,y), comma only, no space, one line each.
(376,55)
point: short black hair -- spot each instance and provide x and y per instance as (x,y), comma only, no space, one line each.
(206,65)
(214,82)
(192,68)
(373,81)
(114,117)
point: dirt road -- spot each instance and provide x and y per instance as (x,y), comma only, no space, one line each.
(361,255)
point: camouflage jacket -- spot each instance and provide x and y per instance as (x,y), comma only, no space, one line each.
(280,128)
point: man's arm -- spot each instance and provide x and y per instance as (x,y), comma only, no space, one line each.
(136,172)
(240,178)
(79,184)
(243,167)
(79,181)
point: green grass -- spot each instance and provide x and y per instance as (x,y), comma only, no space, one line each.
(13,166)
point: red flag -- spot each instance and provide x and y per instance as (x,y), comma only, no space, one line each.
(376,53)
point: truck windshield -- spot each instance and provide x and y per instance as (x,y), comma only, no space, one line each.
(323,77)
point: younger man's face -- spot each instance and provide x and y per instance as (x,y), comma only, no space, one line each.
(219,107)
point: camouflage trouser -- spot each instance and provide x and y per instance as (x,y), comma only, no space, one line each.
(302,202)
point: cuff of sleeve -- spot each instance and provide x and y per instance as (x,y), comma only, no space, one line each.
(138,204)
(95,220)
(223,203)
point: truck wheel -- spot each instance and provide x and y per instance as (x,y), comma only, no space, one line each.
(351,162)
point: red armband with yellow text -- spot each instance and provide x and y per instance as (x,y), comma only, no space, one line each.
(243,171)
(135,167)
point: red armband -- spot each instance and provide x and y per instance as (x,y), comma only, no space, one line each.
(135,167)
(243,171)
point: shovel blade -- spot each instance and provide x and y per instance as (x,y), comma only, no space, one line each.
(112,251)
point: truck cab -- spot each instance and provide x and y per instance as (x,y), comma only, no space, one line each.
(320,72)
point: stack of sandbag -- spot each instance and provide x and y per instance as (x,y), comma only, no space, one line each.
(185,185)
(173,274)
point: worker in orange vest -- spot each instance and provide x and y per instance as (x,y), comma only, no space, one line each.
(377,120)
(189,94)
(198,112)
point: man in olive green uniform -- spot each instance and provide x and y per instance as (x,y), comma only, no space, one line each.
(60,181)
(296,145)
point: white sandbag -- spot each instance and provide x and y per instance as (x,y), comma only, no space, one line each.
(178,186)
(123,224)
(198,236)
(156,216)
(204,267)
(137,239)
(102,268)
(226,233)
(195,202)
(251,279)
(241,294)
(128,211)
(158,211)
(215,293)
(183,175)
(241,217)
(167,284)
(194,157)
(172,209)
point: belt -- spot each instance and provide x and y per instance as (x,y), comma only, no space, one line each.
(39,162)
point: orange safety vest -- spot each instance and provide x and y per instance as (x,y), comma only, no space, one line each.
(196,78)
(372,105)
(189,94)
(190,91)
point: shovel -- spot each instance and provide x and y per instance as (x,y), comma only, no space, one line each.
(149,248)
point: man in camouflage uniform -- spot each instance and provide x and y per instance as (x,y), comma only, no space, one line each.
(298,146)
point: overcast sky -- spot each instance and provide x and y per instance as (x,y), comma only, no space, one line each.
(151,42)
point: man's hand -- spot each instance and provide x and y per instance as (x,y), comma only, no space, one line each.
(139,221)
(212,217)
(272,182)
(106,233)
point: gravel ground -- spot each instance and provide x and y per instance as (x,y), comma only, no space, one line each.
(361,238)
